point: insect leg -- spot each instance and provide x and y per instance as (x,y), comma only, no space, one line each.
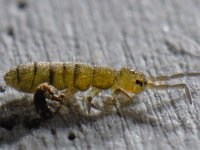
(92,93)
(119,103)
(125,98)
(172,86)
(118,91)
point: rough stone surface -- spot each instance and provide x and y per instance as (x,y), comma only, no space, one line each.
(158,37)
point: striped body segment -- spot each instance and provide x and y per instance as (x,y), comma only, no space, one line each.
(27,77)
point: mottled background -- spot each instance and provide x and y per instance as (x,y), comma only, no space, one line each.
(158,37)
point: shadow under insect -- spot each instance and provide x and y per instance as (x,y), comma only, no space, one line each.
(51,108)
(49,102)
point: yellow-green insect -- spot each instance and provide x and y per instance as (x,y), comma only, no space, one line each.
(27,77)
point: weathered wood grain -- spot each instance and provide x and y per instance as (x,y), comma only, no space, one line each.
(157,37)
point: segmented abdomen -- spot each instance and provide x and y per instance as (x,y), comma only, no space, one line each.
(61,75)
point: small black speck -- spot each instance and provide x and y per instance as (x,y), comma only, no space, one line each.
(2,89)
(71,136)
(10,31)
(22,4)
(53,131)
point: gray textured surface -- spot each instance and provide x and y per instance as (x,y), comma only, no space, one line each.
(157,37)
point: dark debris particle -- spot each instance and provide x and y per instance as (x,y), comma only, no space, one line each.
(32,123)
(10,31)
(22,4)
(9,123)
(71,136)
(53,131)
(2,89)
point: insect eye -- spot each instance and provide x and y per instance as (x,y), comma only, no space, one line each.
(138,82)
